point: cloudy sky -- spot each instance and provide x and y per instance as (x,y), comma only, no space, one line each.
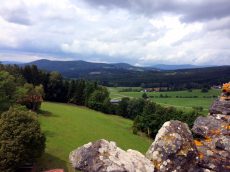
(140,32)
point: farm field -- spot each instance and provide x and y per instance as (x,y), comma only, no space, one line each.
(181,99)
(68,127)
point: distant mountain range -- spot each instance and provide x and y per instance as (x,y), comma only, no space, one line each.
(123,74)
(10,62)
(79,65)
(175,67)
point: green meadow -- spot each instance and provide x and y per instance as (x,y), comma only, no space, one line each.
(179,99)
(67,127)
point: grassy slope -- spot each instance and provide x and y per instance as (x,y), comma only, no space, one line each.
(183,103)
(67,127)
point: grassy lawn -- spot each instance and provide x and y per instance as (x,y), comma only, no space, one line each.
(174,100)
(68,127)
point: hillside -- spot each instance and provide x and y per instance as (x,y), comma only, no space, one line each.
(67,127)
(193,78)
(122,74)
(79,67)
(175,67)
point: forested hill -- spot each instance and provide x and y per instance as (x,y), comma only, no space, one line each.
(70,68)
(122,74)
(175,67)
(177,79)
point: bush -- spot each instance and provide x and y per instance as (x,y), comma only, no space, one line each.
(122,107)
(134,108)
(154,116)
(198,108)
(7,90)
(144,96)
(204,90)
(30,96)
(21,140)
(99,100)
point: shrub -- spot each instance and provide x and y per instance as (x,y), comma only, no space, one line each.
(21,140)
(198,108)
(7,90)
(99,100)
(134,108)
(154,116)
(204,90)
(122,106)
(144,96)
(30,96)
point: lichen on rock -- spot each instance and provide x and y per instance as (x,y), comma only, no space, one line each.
(103,155)
(220,107)
(173,148)
(213,134)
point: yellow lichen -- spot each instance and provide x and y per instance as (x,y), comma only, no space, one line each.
(208,139)
(198,143)
(215,132)
(227,127)
(226,87)
(185,149)
(201,155)
(156,164)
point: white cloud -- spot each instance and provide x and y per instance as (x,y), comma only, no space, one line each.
(27,57)
(67,27)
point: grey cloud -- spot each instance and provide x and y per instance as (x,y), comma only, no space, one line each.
(131,35)
(215,25)
(18,15)
(214,9)
(189,10)
(111,3)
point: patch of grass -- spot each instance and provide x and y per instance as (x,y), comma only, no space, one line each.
(68,127)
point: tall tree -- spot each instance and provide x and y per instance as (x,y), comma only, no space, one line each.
(122,106)
(98,99)
(54,87)
(135,108)
(7,90)
(31,96)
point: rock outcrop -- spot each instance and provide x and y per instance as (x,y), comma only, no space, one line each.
(173,148)
(107,157)
(213,141)
(220,107)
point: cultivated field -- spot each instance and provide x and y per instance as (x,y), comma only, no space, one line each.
(68,126)
(181,99)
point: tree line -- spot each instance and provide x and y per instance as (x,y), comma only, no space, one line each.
(170,80)
(21,138)
(52,85)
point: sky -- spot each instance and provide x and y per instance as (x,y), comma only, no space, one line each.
(139,32)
